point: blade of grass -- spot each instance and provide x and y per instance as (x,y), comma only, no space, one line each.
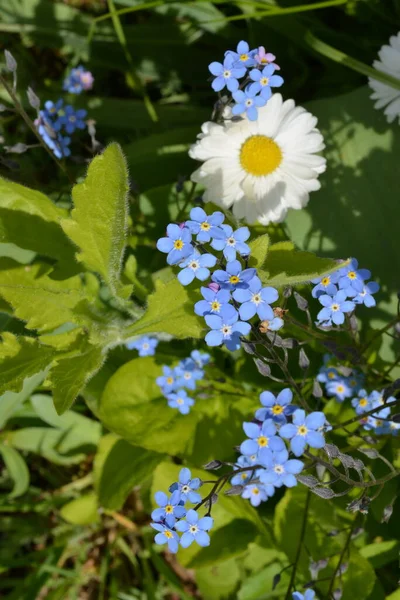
(121,11)
(136,80)
(349,62)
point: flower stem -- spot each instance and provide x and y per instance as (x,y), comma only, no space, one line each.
(299,547)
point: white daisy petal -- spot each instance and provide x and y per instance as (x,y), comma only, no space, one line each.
(387,97)
(261,168)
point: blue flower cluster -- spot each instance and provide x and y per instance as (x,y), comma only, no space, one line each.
(378,422)
(185,375)
(341,291)
(78,80)
(56,123)
(264,451)
(256,70)
(173,518)
(235,294)
(145,345)
(338,385)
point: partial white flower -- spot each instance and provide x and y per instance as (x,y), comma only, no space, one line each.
(261,168)
(385,95)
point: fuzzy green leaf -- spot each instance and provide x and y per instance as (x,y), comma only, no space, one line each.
(285,265)
(169,310)
(21,358)
(17,470)
(98,222)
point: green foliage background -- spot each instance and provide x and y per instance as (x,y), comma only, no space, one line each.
(77,485)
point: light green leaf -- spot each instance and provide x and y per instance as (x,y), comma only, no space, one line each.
(285,265)
(380,554)
(21,358)
(169,310)
(16,197)
(98,222)
(218,582)
(259,250)
(43,303)
(11,401)
(70,375)
(130,396)
(118,467)
(82,511)
(259,585)
(17,470)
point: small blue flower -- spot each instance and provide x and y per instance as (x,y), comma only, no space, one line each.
(339,388)
(226,328)
(244,477)
(247,102)
(177,245)
(365,296)
(277,408)
(265,80)
(233,277)
(145,345)
(187,486)
(279,470)
(78,80)
(166,536)
(188,374)
(213,302)
(181,401)
(200,358)
(308,595)
(257,493)
(205,226)
(304,430)
(256,299)
(170,508)
(352,277)
(168,381)
(194,529)
(334,308)
(73,119)
(53,112)
(325,285)
(243,55)
(232,242)
(273,324)
(327,374)
(363,403)
(263,436)
(226,74)
(196,266)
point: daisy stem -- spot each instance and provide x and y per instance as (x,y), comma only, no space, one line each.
(299,547)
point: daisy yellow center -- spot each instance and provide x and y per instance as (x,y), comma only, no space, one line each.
(340,389)
(260,155)
(234,279)
(178,244)
(326,281)
(351,275)
(168,535)
(262,441)
(255,491)
(215,306)
(302,430)
(169,509)
(363,402)
(205,226)
(179,401)
(277,409)
(170,380)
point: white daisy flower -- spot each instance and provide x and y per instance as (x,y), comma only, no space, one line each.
(261,168)
(385,95)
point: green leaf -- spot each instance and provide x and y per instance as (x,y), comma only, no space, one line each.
(11,401)
(259,250)
(21,358)
(32,221)
(118,467)
(169,310)
(227,542)
(17,470)
(218,581)
(82,511)
(43,303)
(70,375)
(380,554)
(98,222)
(285,265)
(129,399)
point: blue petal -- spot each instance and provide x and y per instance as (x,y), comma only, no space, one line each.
(298,445)
(247,310)
(186,540)
(215,68)
(214,338)
(202,538)
(165,244)
(218,84)
(186,276)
